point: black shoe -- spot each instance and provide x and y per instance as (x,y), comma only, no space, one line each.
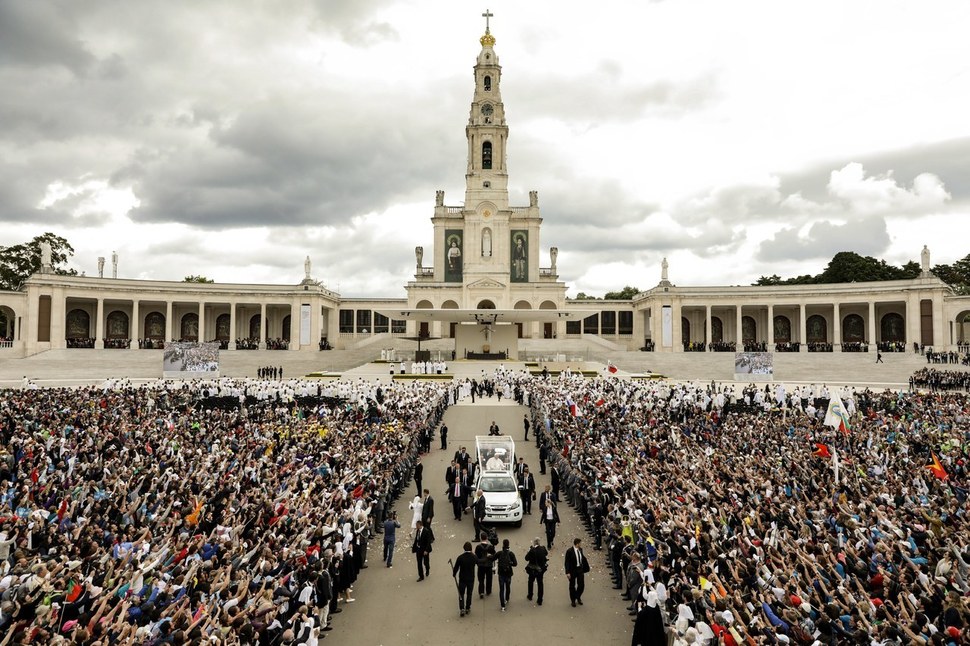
(539,602)
(338,610)
(574,604)
(462,613)
(481,596)
(327,628)
(579,601)
(420,579)
(529,597)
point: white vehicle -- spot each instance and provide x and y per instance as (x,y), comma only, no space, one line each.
(496,479)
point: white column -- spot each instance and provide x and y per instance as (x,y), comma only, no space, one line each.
(168,321)
(133,326)
(676,313)
(771,327)
(872,323)
(295,325)
(940,338)
(232,326)
(99,326)
(201,321)
(802,329)
(708,333)
(836,327)
(912,320)
(262,326)
(737,329)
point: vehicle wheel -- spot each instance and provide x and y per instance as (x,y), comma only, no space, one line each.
(517,523)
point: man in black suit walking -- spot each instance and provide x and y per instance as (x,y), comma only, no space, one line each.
(421,547)
(418,474)
(456,495)
(576,566)
(427,511)
(464,569)
(527,487)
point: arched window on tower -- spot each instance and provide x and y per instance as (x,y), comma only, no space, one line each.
(487,81)
(487,155)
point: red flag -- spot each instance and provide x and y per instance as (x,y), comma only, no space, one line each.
(611,368)
(148,448)
(74,592)
(600,401)
(358,491)
(822,451)
(62,510)
(937,468)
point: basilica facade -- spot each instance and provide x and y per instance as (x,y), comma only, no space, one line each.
(485,255)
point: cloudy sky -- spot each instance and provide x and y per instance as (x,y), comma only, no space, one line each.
(231,138)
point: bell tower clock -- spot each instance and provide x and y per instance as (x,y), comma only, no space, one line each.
(486,178)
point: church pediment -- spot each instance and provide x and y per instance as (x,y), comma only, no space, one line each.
(486,283)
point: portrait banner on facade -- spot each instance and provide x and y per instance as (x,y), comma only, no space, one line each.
(754,365)
(190,360)
(454,255)
(519,245)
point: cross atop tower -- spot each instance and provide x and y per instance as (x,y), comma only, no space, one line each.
(488,14)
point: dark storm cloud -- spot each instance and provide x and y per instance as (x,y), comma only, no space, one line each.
(40,33)
(289,163)
(865,236)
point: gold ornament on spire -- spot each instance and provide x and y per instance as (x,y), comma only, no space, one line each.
(488,40)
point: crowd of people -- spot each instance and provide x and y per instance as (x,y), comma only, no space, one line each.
(952,356)
(745,518)
(225,511)
(934,379)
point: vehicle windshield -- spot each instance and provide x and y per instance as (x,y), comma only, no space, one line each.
(497,483)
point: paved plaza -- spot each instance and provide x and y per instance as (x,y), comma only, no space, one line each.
(391,607)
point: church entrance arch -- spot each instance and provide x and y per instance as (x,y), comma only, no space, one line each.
(254,324)
(453,326)
(486,305)
(961,332)
(684,330)
(424,329)
(7,318)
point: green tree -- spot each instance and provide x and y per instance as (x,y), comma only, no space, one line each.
(625,294)
(773,279)
(583,296)
(19,262)
(197,279)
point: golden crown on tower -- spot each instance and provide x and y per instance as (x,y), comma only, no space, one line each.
(488,40)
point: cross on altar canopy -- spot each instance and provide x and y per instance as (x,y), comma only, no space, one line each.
(488,14)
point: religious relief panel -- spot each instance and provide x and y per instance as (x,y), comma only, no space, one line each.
(454,248)
(78,325)
(749,329)
(782,329)
(893,328)
(520,255)
(117,325)
(853,329)
(155,325)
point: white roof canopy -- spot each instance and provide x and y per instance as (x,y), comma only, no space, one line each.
(485,316)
